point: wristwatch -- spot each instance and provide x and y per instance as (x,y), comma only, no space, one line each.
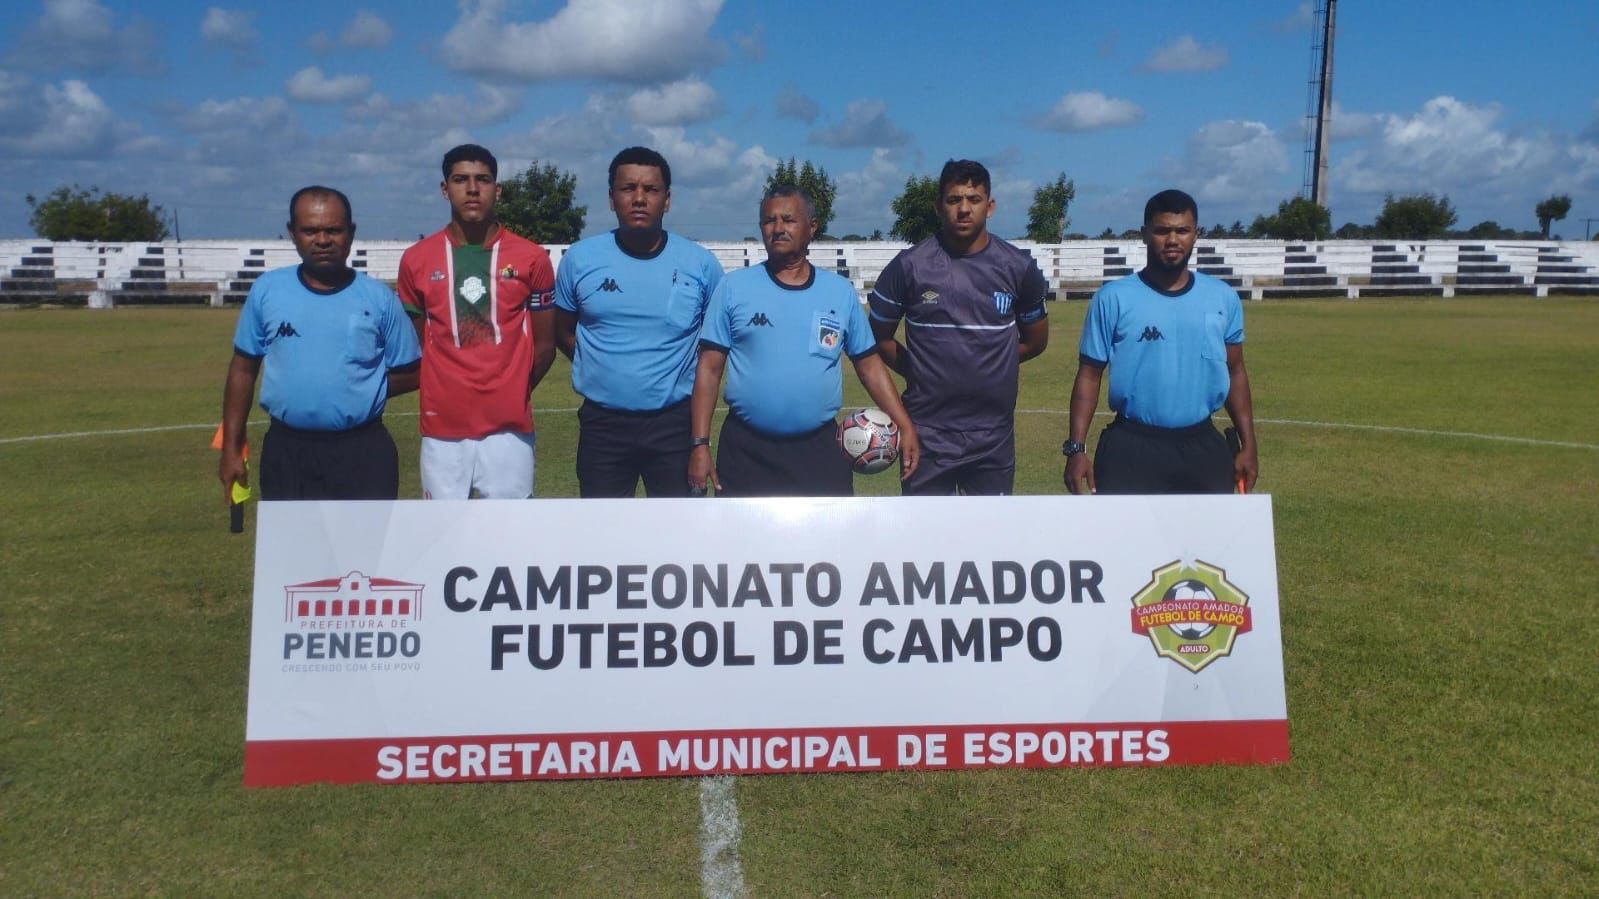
(698,441)
(1071,448)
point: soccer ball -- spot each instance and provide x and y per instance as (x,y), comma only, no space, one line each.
(870,439)
(1190,589)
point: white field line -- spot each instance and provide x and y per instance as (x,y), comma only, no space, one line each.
(721,877)
(1290,422)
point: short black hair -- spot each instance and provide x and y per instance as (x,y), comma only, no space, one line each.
(317,190)
(1173,201)
(964,171)
(639,156)
(471,153)
(783,191)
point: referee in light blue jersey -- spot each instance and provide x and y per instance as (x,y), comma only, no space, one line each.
(780,330)
(330,345)
(629,304)
(1174,342)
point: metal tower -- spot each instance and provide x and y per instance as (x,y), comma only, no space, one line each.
(1318,111)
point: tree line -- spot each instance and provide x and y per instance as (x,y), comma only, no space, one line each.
(539,204)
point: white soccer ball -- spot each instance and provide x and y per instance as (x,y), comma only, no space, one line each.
(870,439)
(1190,589)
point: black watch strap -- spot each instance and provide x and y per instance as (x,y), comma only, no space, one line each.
(698,441)
(1071,448)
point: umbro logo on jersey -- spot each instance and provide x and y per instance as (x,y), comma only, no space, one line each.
(609,285)
(759,320)
(1150,333)
(287,330)
(930,296)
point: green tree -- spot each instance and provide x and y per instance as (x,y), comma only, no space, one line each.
(537,204)
(1237,230)
(1216,231)
(1046,218)
(916,209)
(1106,234)
(816,183)
(1552,210)
(1414,217)
(1297,218)
(1352,231)
(77,214)
(1490,230)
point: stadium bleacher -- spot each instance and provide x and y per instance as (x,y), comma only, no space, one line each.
(219,273)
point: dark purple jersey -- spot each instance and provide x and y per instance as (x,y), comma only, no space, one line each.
(960,329)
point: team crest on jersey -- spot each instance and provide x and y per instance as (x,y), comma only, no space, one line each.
(472,289)
(508,273)
(1002,302)
(436,276)
(828,332)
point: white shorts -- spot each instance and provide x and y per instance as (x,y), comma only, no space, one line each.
(499,466)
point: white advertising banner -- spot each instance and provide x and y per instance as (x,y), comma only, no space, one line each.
(403,642)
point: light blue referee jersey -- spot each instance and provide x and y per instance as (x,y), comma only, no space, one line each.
(1167,352)
(784,344)
(325,356)
(638,319)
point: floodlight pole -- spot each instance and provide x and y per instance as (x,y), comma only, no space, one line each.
(1318,184)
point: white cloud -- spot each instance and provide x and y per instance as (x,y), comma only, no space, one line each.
(866,124)
(231,28)
(1303,16)
(310,85)
(791,104)
(83,35)
(1457,148)
(864,195)
(621,40)
(487,105)
(1090,111)
(678,103)
(262,115)
(1233,162)
(367,29)
(1187,55)
(60,121)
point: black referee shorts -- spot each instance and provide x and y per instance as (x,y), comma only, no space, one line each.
(361,463)
(617,448)
(750,463)
(1140,458)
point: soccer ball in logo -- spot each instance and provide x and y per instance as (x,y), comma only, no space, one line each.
(870,439)
(1190,589)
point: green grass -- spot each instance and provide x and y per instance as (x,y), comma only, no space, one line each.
(1439,641)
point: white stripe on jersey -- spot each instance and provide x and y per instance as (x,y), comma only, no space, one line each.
(449,279)
(887,300)
(494,290)
(916,324)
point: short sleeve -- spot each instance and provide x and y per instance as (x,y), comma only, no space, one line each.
(249,337)
(400,348)
(566,281)
(405,286)
(712,275)
(1235,319)
(541,284)
(1030,301)
(1098,327)
(716,332)
(887,299)
(858,340)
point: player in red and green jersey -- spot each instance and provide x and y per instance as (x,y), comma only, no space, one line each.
(480,297)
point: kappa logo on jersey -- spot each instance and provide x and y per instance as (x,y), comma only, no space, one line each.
(1191,613)
(609,285)
(355,623)
(1002,302)
(759,320)
(1150,333)
(828,333)
(472,289)
(287,330)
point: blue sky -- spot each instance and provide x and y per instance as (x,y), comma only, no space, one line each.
(220,112)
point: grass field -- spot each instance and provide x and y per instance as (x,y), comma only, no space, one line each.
(1442,659)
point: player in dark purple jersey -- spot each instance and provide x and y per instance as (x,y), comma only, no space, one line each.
(973,307)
